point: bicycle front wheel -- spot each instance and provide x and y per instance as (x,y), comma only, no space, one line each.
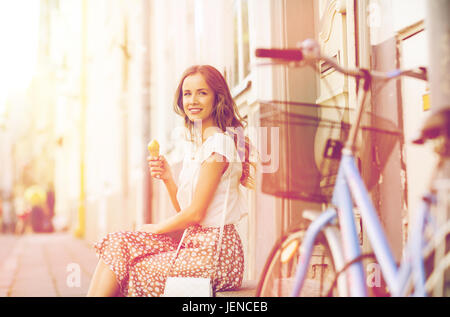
(277,279)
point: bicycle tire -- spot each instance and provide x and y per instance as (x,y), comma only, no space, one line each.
(278,276)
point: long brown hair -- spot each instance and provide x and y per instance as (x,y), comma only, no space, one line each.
(225,114)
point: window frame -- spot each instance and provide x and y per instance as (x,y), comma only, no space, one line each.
(239,78)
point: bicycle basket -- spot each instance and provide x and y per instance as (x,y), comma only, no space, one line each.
(311,137)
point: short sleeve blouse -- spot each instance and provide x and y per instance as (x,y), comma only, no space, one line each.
(222,144)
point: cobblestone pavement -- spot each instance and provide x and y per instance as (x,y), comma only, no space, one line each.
(45,265)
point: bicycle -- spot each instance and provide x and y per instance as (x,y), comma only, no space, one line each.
(323,255)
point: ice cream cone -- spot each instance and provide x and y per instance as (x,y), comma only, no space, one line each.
(153,148)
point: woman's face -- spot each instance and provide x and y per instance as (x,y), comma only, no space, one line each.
(198,99)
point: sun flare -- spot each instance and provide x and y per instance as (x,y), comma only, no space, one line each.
(19,27)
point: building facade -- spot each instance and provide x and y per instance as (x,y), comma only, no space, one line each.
(109,69)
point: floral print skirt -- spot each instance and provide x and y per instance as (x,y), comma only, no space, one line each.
(141,261)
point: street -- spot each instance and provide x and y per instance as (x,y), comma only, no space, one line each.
(45,265)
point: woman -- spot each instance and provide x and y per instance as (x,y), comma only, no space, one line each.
(138,263)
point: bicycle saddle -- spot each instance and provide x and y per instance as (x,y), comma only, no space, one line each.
(436,125)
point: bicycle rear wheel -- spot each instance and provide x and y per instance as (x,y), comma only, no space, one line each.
(277,278)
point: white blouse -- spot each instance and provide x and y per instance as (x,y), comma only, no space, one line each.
(222,144)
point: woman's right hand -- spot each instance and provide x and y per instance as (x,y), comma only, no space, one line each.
(159,168)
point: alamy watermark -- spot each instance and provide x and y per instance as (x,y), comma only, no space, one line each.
(73,278)
(263,147)
(373,275)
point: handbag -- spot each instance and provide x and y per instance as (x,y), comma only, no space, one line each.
(195,286)
(188,287)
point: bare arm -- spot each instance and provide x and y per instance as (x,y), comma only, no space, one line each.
(172,188)
(209,178)
(160,169)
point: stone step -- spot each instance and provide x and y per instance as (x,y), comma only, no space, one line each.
(248,289)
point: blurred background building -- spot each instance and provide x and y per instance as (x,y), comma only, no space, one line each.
(100,82)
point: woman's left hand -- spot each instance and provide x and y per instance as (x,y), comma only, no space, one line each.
(151,228)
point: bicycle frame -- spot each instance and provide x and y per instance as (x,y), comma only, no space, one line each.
(350,188)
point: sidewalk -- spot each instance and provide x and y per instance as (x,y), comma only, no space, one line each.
(56,265)
(45,265)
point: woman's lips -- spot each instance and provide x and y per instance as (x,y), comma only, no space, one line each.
(195,110)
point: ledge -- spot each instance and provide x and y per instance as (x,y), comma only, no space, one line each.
(248,289)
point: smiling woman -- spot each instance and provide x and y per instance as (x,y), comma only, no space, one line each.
(206,196)
(198,100)
(224,114)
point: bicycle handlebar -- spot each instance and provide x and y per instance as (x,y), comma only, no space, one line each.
(283,54)
(309,51)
